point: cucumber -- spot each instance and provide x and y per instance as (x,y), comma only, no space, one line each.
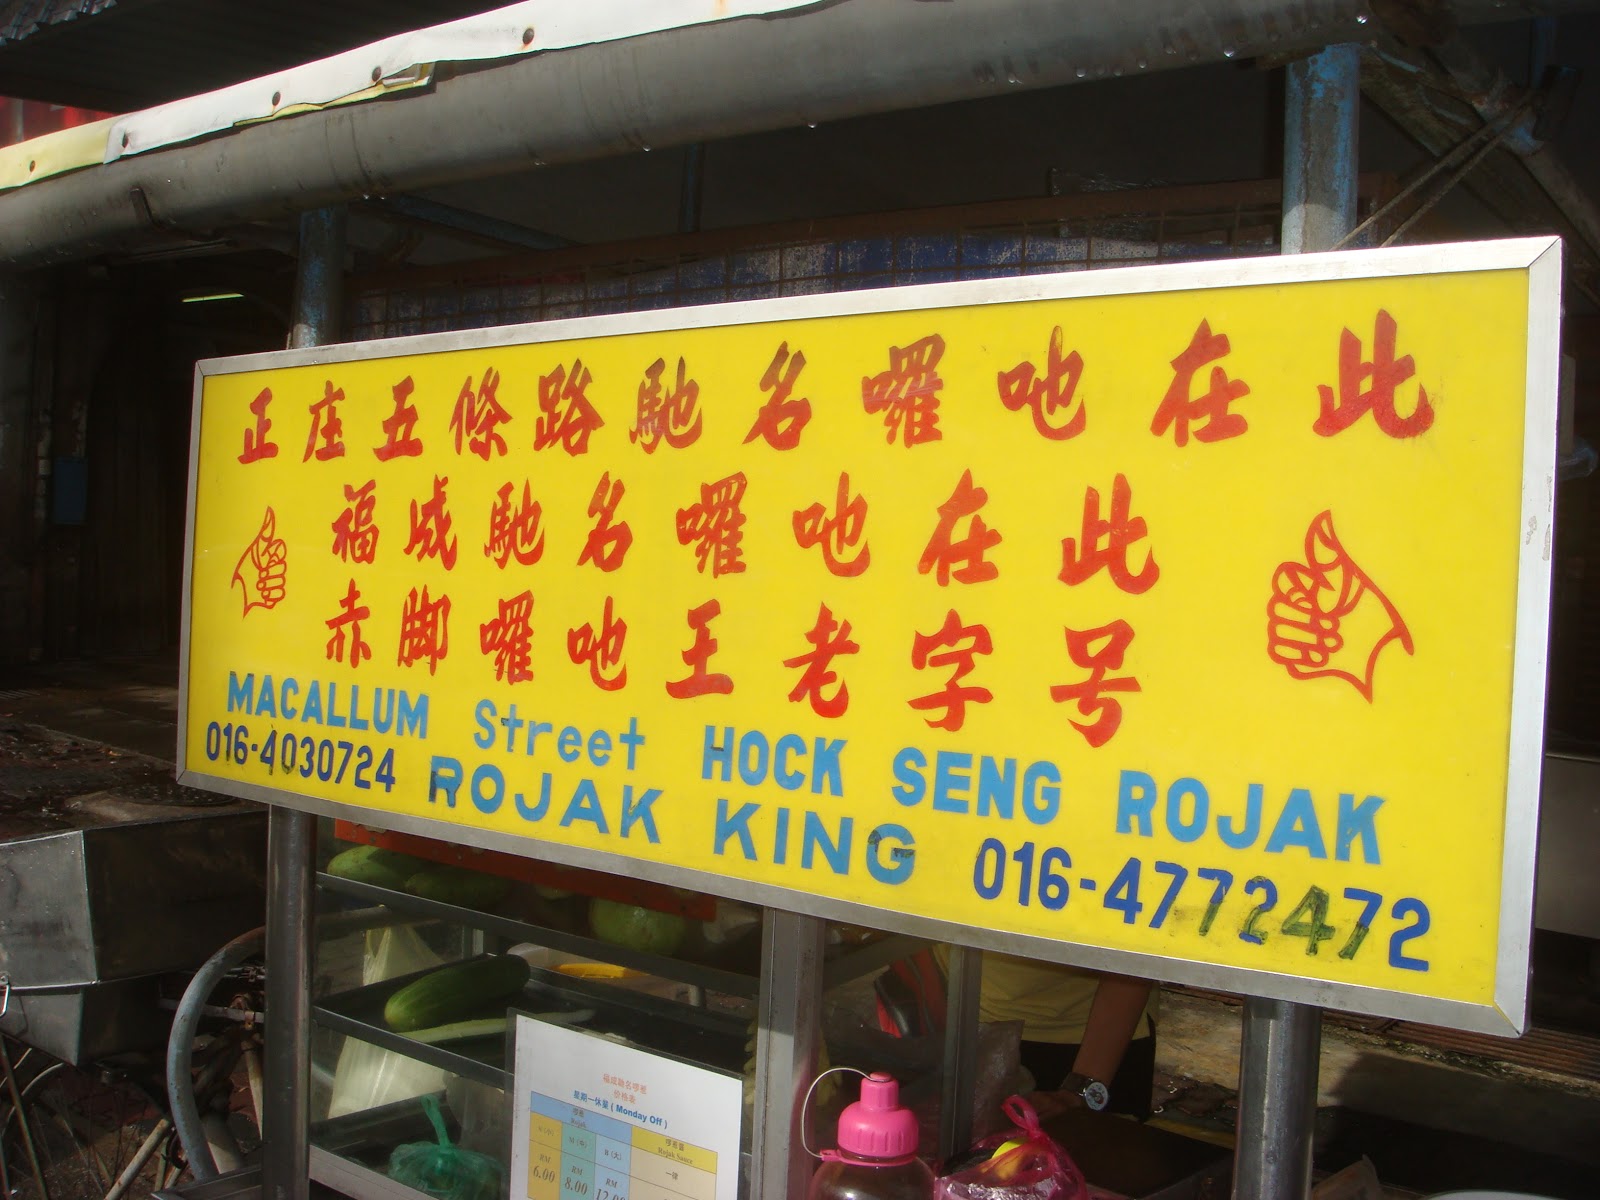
(374,865)
(458,885)
(455,993)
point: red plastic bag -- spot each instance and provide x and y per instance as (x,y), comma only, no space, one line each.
(1037,1168)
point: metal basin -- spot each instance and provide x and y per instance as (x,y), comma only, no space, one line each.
(105,895)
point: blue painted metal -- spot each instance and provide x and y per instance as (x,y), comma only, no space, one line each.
(1280,1044)
(319,281)
(474,225)
(1321,113)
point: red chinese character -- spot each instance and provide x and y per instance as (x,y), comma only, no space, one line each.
(673,416)
(351,614)
(430,528)
(1382,375)
(256,446)
(837,531)
(1056,393)
(399,426)
(424,630)
(717,524)
(1212,408)
(1106,543)
(962,643)
(829,639)
(941,551)
(355,534)
(566,414)
(908,392)
(603,653)
(326,426)
(1107,713)
(607,543)
(515,533)
(781,419)
(509,637)
(700,681)
(477,416)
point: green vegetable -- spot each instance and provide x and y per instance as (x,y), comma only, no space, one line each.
(458,885)
(636,927)
(374,865)
(459,1030)
(455,993)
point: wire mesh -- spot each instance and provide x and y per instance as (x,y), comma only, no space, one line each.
(845,255)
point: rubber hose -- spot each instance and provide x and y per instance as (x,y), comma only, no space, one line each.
(185,1021)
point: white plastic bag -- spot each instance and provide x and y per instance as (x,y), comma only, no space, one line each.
(369,1076)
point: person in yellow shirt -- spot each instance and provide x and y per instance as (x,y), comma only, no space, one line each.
(1088,1038)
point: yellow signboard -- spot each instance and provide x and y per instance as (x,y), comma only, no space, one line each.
(1184,619)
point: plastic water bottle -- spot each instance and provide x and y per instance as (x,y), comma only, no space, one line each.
(877,1154)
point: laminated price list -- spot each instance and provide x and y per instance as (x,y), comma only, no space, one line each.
(598,1120)
(576,1154)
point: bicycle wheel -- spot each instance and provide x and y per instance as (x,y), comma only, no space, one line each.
(85,1133)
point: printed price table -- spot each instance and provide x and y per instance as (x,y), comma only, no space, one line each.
(596,1120)
(577,1154)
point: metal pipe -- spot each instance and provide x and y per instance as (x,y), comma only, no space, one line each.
(291,835)
(185,1021)
(319,278)
(148,1147)
(692,190)
(286,1116)
(1280,1050)
(697,83)
(1319,149)
(960,1049)
(21,1114)
(788,1035)
(1494,98)
(1277,1100)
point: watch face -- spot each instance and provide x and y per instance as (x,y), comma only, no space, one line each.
(1096,1095)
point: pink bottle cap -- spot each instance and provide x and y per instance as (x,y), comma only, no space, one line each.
(875,1126)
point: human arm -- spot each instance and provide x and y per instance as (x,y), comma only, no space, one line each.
(1114,1013)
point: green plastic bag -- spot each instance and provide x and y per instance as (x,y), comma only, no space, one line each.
(445,1171)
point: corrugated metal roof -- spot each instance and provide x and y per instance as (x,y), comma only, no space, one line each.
(24,18)
(119,57)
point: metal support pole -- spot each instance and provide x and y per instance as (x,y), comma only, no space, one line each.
(1277,1100)
(287,1047)
(1319,149)
(319,278)
(788,1034)
(291,835)
(693,188)
(960,1049)
(1282,1042)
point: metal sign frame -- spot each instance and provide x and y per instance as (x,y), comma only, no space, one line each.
(1540,257)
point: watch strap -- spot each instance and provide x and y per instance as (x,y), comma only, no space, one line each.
(1095,1094)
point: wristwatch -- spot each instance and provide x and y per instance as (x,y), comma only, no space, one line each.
(1094,1093)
